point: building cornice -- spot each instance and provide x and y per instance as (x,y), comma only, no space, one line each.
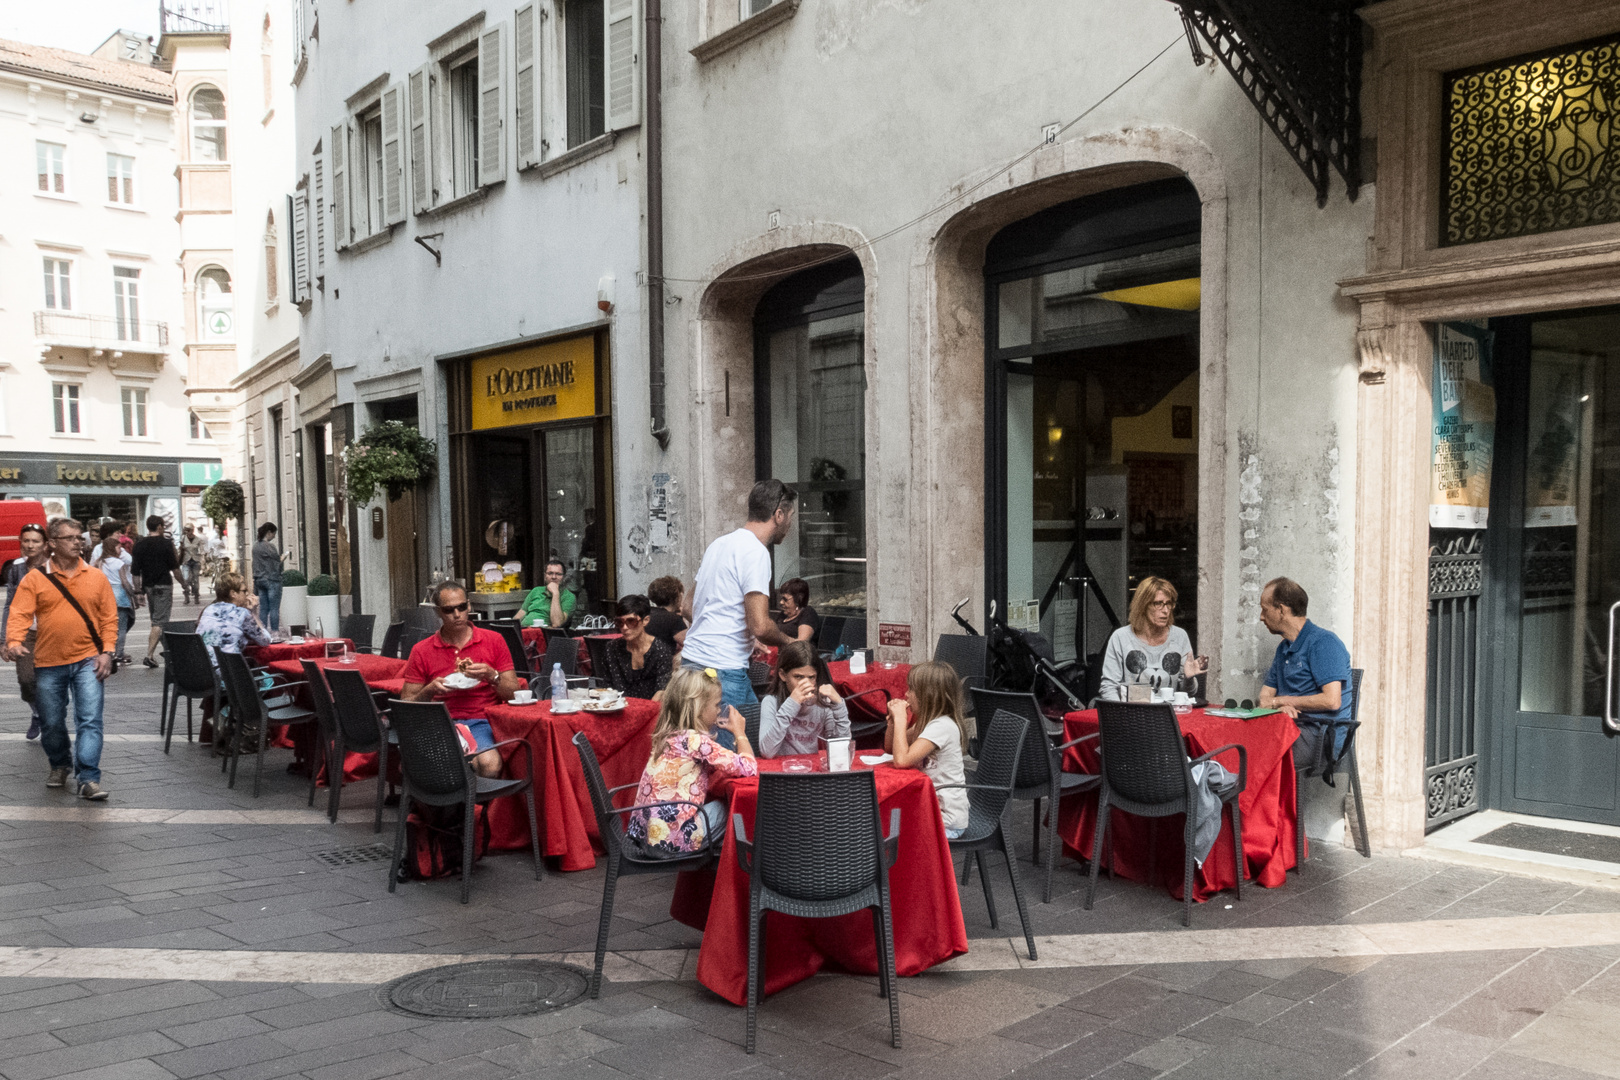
(60,82)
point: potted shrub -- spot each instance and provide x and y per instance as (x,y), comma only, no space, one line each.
(325,616)
(393,456)
(294,598)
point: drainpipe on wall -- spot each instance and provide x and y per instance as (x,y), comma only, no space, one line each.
(652,52)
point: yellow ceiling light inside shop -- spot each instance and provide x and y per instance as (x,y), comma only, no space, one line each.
(531,386)
(1182,295)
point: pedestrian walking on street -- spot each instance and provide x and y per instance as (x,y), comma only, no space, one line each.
(193,551)
(111,559)
(31,538)
(77,625)
(155,564)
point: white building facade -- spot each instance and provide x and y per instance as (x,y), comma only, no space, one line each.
(92,369)
(470,187)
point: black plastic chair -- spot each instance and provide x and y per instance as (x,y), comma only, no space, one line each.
(1041,779)
(1146,772)
(320,699)
(361,728)
(867,728)
(560,650)
(358,629)
(181,626)
(1326,763)
(596,648)
(514,646)
(989,791)
(249,713)
(759,677)
(854,634)
(986,702)
(750,715)
(189,674)
(830,634)
(410,635)
(390,641)
(819,852)
(969,657)
(436,773)
(625,855)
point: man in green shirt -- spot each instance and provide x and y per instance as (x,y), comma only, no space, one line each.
(549,605)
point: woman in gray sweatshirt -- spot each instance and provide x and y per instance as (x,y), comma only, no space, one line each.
(801,705)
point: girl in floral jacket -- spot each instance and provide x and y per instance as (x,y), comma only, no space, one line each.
(684,759)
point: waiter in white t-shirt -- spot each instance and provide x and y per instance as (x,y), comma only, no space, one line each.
(731,602)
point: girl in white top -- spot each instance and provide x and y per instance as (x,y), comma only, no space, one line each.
(1151,649)
(801,705)
(926,732)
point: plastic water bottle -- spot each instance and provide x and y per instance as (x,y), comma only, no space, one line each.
(559,683)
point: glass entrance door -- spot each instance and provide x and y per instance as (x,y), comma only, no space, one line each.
(1560,755)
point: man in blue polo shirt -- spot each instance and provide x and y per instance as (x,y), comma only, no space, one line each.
(1310,676)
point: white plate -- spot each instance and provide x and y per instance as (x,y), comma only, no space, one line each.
(524,704)
(295,641)
(604,706)
(457,681)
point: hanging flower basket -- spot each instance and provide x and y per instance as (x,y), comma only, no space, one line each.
(224,501)
(391,455)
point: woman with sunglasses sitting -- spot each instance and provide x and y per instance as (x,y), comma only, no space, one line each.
(638,664)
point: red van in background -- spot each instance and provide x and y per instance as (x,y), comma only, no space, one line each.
(14,514)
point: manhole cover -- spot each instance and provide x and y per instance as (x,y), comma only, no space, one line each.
(491,988)
(351,856)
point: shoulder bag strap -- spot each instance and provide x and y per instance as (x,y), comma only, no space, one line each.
(95,636)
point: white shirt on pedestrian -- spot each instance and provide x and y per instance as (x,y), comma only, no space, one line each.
(733,566)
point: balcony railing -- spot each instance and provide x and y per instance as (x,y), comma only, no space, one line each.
(195,17)
(76,331)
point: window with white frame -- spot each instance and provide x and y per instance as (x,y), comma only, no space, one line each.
(127,303)
(58,284)
(216,308)
(65,408)
(598,47)
(366,158)
(199,430)
(368,202)
(51,162)
(585,67)
(207,124)
(455,116)
(133,400)
(463,146)
(121,179)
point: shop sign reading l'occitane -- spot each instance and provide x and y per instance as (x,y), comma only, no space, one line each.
(532,386)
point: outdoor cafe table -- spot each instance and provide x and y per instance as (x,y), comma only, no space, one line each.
(622,741)
(928,927)
(1267,805)
(308,649)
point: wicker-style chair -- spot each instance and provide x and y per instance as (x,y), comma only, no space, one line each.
(626,856)
(1326,763)
(596,647)
(188,673)
(390,641)
(865,729)
(986,702)
(854,634)
(1146,772)
(759,677)
(818,852)
(249,713)
(750,715)
(969,656)
(514,646)
(358,629)
(436,772)
(830,634)
(990,793)
(361,728)
(1041,779)
(560,650)
(320,699)
(409,636)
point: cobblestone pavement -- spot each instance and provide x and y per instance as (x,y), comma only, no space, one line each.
(125,938)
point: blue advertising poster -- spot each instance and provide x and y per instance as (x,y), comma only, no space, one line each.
(1463,435)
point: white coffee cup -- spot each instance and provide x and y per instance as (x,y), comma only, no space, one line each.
(524,697)
(1182,698)
(1162,694)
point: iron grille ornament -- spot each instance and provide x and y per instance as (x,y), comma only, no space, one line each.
(1451,755)
(1299,63)
(1530,144)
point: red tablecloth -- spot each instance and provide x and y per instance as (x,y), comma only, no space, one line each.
(380,673)
(876,675)
(764,654)
(622,742)
(928,927)
(534,635)
(308,649)
(1267,804)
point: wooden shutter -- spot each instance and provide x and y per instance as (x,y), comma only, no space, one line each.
(491,105)
(418,94)
(299,31)
(320,213)
(623,65)
(393,156)
(526,93)
(298,212)
(337,152)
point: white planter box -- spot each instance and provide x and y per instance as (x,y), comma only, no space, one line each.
(325,618)
(294,605)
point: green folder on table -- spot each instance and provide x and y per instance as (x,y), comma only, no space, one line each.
(1240,714)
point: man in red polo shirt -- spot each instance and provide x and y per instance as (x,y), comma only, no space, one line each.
(478,654)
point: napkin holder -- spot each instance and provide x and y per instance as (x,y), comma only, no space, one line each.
(837,753)
(857,662)
(1138,694)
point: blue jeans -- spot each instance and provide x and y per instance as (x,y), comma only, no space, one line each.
(735,689)
(126,619)
(269,603)
(52,686)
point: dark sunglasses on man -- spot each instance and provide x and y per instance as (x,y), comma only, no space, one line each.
(451,609)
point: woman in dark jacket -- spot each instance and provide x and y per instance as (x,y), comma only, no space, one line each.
(638,664)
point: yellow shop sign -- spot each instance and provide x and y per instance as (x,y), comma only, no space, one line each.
(531,386)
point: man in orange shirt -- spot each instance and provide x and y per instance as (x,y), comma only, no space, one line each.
(78,626)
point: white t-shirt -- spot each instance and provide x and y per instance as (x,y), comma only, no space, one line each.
(733,566)
(944,766)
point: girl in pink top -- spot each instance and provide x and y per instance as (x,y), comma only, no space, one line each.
(684,759)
